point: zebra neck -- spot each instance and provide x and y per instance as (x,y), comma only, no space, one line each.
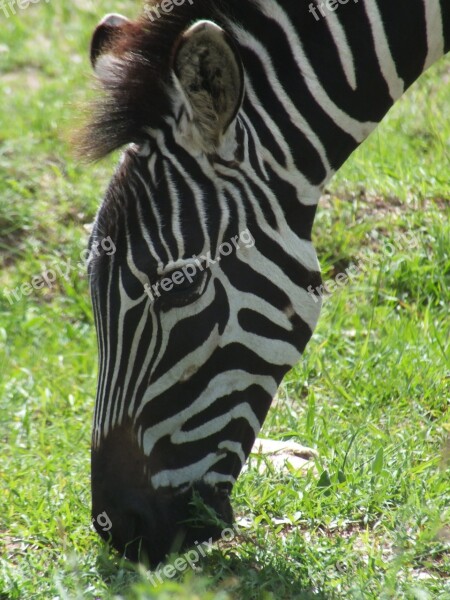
(320,86)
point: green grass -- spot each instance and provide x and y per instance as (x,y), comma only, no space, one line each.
(371,394)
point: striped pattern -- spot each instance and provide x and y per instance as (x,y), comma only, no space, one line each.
(192,375)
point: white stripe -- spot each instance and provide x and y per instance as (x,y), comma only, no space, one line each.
(175,204)
(126,304)
(241,411)
(343,48)
(149,356)
(302,301)
(302,250)
(219,386)
(193,472)
(196,190)
(435,32)
(167,321)
(106,358)
(290,173)
(142,221)
(235,447)
(395,84)
(213,478)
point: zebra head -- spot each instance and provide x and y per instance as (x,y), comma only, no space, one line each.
(203,306)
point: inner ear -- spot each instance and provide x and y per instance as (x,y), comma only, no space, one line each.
(208,70)
(103,37)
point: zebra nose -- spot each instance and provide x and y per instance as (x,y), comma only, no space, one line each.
(148,527)
(139,527)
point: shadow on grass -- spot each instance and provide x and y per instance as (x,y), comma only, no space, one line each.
(256,576)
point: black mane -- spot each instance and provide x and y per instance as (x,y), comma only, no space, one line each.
(137,95)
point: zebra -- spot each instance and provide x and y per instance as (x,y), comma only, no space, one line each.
(234,115)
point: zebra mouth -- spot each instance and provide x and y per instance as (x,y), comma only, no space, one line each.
(145,523)
(148,527)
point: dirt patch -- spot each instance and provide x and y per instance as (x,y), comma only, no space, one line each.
(377,208)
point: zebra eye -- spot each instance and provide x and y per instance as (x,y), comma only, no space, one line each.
(181,286)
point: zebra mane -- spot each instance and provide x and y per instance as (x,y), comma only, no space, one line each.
(136,94)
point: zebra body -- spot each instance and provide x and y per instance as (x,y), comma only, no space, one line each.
(237,114)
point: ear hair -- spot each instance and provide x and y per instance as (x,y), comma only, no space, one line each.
(105,33)
(209,73)
(131,86)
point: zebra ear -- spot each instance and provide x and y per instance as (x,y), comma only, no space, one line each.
(105,34)
(209,76)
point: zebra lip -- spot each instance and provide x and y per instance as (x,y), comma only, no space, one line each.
(149,526)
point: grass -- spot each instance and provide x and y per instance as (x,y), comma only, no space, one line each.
(372,520)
